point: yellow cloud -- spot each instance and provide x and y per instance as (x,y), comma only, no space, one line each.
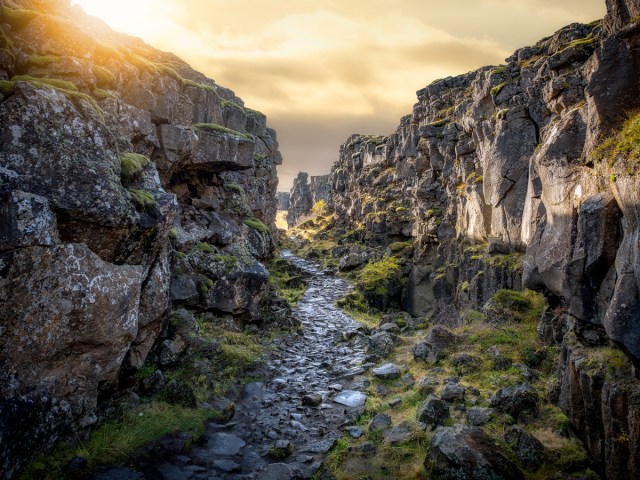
(356,64)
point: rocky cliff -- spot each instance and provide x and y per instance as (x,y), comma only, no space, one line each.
(524,175)
(130,185)
(304,195)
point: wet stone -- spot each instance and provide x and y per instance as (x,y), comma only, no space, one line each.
(225,444)
(388,371)
(355,432)
(350,398)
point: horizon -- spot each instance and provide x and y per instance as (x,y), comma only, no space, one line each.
(308,67)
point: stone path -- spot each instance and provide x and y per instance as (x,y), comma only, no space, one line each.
(295,410)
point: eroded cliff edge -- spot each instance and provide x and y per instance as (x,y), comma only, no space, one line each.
(130,185)
(522,176)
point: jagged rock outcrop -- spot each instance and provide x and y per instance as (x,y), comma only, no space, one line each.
(510,177)
(305,195)
(129,184)
(284,200)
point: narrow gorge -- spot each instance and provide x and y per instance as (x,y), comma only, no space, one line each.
(458,299)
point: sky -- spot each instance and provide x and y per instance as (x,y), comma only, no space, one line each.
(322,70)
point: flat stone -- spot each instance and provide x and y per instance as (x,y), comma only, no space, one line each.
(395,402)
(380,421)
(323,446)
(335,387)
(278,471)
(226,465)
(398,434)
(351,398)
(478,416)
(225,444)
(452,392)
(388,371)
(355,432)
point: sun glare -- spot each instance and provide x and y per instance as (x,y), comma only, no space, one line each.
(130,16)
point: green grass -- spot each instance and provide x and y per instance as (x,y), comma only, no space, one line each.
(375,277)
(17,18)
(118,439)
(355,305)
(497,89)
(142,198)
(7,87)
(515,306)
(104,77)
(52,82)
(214,127)
(235,188)
(101,94)
(257,225)
(623,147)
(43,61)
(286,280)
(204,247)
(132,163)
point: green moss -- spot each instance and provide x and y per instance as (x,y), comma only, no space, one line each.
(464,286)
(497,89)
(142,198)
(104,77)
(515,306)
(586,41)
(205,285)
(53,82)
(623,147)
(228,260)
(498,70)
(376,276)
(17,18)
(120,438)
(235,188)
(190,83)
(101,94)
(43,61)
(257,225)
(204,247)
(213,127)
(356,306)
(439,123)
(7,87)
(5,42)
(173,234)
(286,280)
(132,163)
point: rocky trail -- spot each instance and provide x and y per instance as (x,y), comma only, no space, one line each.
(282,425)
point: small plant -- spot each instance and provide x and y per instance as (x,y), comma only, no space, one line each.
(235,188)
(205,286)
(497,89)
(624,146)
(132,163)
(142,198)
(204,247)
(173,234)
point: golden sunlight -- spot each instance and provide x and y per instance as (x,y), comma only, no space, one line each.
(123,15)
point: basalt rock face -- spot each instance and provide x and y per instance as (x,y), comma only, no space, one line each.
(284,200)
(498,181)
(304,195)
(130,184)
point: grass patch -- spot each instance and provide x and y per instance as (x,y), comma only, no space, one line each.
(7,87)
(497,89)
(132,163)
(215,128)
(257,225)
(520,307)
(52,82)
(120,438)
(376,277)
(623,147)
(235,188)
(18,18)
(287,280)
(43,61)
(204,247)
(142,198)
(355,305)
(104,78)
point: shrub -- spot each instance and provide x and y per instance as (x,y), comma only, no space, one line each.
(132,163)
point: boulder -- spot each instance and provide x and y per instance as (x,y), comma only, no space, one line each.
(433,411)
(467,452)
(527,448)
(515,400)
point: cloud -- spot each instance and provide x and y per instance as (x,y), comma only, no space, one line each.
(323,69)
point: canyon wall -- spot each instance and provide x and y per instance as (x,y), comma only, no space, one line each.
(130,185)
(525,175)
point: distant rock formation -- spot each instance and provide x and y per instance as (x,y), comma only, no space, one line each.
(130,184)
(284,200)
(305,195)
